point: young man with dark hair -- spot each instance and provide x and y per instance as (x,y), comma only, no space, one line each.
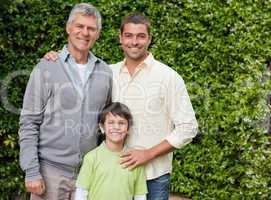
(164,119)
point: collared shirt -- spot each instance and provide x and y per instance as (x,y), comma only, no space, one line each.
(161,108)
(73,71)
(59,118)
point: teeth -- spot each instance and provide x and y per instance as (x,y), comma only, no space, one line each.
(115,133)
(83,40)
(134,49)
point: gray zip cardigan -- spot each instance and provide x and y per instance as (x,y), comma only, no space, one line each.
(58,122)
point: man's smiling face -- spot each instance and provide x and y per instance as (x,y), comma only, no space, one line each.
(83,32)
(135,41)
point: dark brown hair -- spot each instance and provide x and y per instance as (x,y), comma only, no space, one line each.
(136,18)
(116,108)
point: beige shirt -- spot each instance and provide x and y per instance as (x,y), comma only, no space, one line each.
(161,108)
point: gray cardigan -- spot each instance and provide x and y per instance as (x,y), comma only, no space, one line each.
(58,125)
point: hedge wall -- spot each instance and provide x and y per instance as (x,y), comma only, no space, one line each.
(219,47)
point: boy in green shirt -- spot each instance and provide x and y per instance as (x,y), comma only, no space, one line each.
(101,177)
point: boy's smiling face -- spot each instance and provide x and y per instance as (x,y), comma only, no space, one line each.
(115,128)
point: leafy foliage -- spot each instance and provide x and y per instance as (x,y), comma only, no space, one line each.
(219,47)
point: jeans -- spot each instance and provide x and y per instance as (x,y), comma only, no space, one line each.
(158,188)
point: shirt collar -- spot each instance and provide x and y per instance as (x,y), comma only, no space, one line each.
(147,63)
(65,55)
(114,152)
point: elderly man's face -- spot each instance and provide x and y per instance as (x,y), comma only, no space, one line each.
(83,32)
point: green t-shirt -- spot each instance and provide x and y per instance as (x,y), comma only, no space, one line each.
(104,178)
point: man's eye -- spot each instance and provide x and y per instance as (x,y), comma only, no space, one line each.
(128,36)
(142,36)
(92,29)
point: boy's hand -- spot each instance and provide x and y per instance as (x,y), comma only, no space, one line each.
(51,55)
(134,158)
(36,187)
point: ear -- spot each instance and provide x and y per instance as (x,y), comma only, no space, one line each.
(101,128)
(120,37)
(98,35)
(67,28)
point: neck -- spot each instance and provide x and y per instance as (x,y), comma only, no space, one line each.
(79,56)
(132,64)
(115,147)
(131,67)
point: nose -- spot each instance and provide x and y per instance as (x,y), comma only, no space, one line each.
(134,41)
(115,126)
(85,31)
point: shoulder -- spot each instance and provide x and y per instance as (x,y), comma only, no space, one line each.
(169,74)
(47,65)
(43,63)
(44,68)
(103,67)
(92,154)
(115,67)
(102,63)
(162,67)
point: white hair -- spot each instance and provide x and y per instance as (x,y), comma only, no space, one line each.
(88,10)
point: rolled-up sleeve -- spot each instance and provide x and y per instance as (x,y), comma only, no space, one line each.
(181,113)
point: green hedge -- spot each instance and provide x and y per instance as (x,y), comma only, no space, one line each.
(219,47)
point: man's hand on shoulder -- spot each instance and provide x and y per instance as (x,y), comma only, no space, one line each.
(134,158)
(36,187)
(51,56)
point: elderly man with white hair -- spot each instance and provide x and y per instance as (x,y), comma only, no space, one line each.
(58,122)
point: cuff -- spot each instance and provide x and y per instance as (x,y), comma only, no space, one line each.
(176,142)
(182,135)
(32,174)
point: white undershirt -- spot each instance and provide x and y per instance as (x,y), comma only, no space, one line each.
(82,70)
(82,194)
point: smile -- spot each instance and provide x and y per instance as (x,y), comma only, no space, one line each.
(116,133)
(83,40)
